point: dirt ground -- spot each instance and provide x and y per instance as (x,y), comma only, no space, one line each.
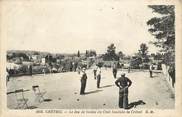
(62,91)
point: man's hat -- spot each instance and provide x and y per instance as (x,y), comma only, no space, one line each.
(122,74)
(83,69)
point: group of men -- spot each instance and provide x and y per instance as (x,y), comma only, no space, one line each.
(97,76)
(122,82)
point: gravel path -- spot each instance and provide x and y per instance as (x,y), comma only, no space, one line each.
(62,91)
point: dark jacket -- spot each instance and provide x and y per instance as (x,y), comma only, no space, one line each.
(84,77)
(122,82)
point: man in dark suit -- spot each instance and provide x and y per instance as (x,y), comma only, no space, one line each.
(123,83)
(114,70)
(98,77)
(151,70)
(83,82)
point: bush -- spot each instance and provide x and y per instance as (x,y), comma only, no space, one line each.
(100,64)
(39,69)
(23,69)
(135,63)
(145,66)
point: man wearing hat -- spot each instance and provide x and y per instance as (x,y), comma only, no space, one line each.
(95,71)
(123,83)
(83,81)
(150,70)
(98,77)
(114,70)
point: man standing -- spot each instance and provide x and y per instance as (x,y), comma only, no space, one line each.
(71,66)
(171,72)
(95,71)
(98,77)
(76,65)
(30,70)
(83,82)
(78,69)
(129,68)
(123,83)
(7,77)
(114,71)
(150,70)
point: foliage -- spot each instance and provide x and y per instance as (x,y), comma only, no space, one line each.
(90,53)
(135,62)
(169,58)
(18,55)
(49,58)
(78,54)
(163,29)
(100,64)
(111,53)
(121,55)
(142,54)
(143,50)
(157,56)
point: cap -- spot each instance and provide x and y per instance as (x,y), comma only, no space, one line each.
(122,74)
(83,69)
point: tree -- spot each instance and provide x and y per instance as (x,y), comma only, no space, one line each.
(36,53)
(111,49)
(121,55)
(49,58)
(78,54)
(90,53)
(158,56)
(163,29)
(21,55)
(111,53)
(143,50)
(142,53)
(135,62)
(86,53)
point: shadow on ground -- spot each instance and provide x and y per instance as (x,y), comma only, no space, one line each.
(91,92)
(135,104)
(106,86)
(47,100)
(32,107)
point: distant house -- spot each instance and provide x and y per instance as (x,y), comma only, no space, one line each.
(27,63)
(43,61)
(34,57)
(37,59)
(12,66)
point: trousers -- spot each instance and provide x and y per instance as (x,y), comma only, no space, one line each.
(83,85)
(114,72)
(150,73)
(98,81)
(95,74)
(123,98)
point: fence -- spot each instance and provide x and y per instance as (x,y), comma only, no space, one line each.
(169,79)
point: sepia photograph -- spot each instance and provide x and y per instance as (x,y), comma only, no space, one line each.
(86,55)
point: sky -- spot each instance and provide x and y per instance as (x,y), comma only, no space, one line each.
(60,27)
